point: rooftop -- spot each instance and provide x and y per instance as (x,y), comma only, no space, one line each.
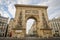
(36,6)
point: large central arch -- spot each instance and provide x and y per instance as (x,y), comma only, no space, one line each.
(31,26)
(24,12)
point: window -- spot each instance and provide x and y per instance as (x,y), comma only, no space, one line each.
(4,24)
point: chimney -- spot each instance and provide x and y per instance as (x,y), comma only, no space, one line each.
(0,14)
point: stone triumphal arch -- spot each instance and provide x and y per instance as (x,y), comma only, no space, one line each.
(23,13)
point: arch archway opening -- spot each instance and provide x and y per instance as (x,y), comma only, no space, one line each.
(31,26)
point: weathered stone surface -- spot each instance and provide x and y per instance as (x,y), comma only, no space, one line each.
(29,38)
(25,12)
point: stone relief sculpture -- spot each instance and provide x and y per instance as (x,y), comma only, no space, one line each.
(44,21)
(19,25)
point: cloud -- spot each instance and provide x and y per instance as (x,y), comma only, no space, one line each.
(8,6)
(12,10)
(5,15)
(53,7)
(37,1)
(23,1)
(4,6)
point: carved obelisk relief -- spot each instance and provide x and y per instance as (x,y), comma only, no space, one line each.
(19,25)
(44,21)
(20,19)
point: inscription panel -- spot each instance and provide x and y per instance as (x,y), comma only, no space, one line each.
(31,11)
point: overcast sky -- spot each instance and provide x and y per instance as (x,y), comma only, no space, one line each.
(7,8)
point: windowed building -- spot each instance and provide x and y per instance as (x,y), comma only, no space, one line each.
(3,25)
(55,25)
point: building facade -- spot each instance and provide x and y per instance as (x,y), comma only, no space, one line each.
(55,25)
(3,26)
